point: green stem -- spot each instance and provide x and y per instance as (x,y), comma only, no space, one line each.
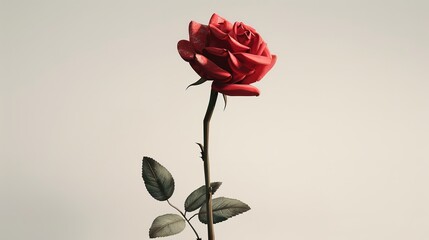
(193,216)
(206,127)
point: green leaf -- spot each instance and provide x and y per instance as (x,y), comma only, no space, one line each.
(198,197)
(166,225)
(223,208)
(157,179)
(200,81)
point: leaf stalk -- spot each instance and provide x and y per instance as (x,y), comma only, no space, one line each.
(187,220)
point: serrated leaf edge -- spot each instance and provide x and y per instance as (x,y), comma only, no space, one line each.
(203,210)
(149,159)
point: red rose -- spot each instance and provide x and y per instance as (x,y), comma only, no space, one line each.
(232,55)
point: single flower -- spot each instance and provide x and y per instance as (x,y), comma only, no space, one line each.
(233,56)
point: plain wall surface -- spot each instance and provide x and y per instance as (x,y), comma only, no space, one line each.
(336,147)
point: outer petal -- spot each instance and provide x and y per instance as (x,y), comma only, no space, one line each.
(260,72)
(209,69)
(254,59)
(235,89)
(198,34)
(186,50)
(220,23)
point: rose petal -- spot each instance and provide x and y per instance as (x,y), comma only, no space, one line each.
(185,50)
(252,58)
(242,33)
(257,43)
(235,89)
(236,46)
(247,27)
(220,52)
(217,32)
(239,71)
(220,23)
(198,34)
(210,70)
(260,72)
(261,49)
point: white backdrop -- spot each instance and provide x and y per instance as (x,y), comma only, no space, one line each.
(335,148)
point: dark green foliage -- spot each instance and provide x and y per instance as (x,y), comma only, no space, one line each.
(198,197)
(223,209)
(158,180)
(166,225)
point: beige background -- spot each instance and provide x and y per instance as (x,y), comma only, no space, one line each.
(335,148)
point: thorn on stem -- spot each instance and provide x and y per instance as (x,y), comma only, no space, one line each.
(202,150)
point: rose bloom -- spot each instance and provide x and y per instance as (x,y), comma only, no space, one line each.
(233,56)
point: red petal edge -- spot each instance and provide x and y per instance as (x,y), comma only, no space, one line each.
(260,72)
(211,70)
(185,50)
(198,34)
(235,89)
